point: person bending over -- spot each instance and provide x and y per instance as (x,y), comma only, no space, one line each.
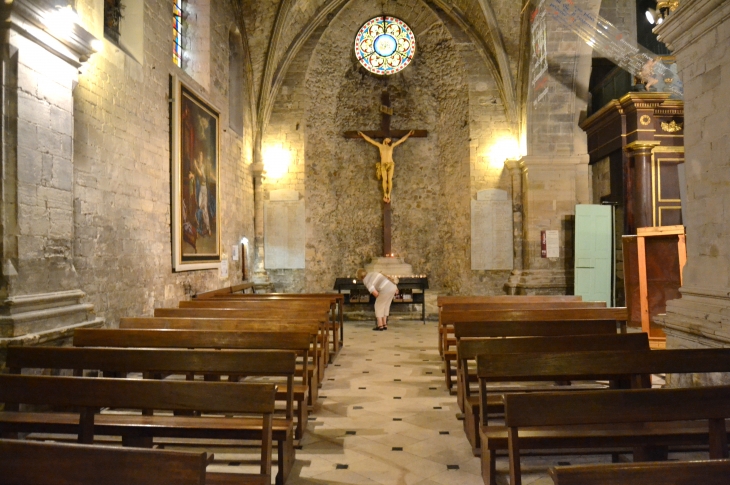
(383,290)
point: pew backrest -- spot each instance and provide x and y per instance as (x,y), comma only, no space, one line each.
(27,462)
(705,472)
(534,328)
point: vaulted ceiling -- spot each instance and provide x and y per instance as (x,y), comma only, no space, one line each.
(275,32)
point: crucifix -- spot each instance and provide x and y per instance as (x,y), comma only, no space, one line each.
(386,166)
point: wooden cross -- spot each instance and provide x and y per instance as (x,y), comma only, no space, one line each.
(386,112)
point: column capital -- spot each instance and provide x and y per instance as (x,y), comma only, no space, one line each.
(258,169)
(692,20)
(43,22)
(639,146)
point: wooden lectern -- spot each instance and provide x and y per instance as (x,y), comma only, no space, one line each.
(653,264)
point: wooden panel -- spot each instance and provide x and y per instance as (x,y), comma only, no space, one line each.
(631,280)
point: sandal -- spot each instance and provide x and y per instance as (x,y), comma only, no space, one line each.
(378,329)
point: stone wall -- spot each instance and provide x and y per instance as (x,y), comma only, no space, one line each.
(447,90)
(698,33)
(122,166)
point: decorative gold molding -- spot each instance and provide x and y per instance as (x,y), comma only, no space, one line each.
(641,145)
(665,149)
(672,127)
(645,120)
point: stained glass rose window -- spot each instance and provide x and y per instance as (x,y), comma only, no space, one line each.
(385,45)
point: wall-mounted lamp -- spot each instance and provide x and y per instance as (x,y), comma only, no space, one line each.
(61,21)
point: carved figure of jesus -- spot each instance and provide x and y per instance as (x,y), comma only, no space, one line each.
(386,167)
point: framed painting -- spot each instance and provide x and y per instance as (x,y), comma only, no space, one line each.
(196,241)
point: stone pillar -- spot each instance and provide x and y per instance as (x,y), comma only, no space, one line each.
(42,51)
(515,173)
(639,153)
(259,272)
(698,32)
(551,187)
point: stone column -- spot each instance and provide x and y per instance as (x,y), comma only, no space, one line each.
(698,32)
(639,153)
(259,272)
(42,51)
(515,173)
(551,187)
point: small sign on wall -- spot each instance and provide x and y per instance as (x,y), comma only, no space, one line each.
(224,269)
(550,244)
(234,252)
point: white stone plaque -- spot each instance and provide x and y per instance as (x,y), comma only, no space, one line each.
(491,231)
(224,269)
(552,244)
(284,232)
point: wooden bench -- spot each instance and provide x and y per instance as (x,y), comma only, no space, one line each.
(240,288)
(293,304)
(235,324)
(89,395)
(211,364)
(703,472)
(549,427)
(469,348)
(490,317)
(444,302)
(207,339)
(526,329)
(302,396)
(26,462)
(336,301)
(290,316)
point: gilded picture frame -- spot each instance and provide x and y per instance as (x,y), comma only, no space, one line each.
(195,149)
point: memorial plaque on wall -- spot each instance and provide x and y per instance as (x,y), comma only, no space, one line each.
(284,230)
(491,231)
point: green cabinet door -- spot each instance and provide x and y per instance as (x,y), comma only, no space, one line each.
(594,252)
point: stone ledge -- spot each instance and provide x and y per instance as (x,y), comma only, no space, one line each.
(49,335)
(701,317)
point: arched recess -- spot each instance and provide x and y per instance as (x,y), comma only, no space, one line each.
(236,88)
(462,128)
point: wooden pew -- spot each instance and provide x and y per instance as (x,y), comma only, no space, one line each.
(469,348)
(27,462)
(294,304)
(552,433)
(204,339)
(446,301)
(260,314)
(89,395)
(302,396)
(336,300)
(704,472)
(227,291)
(490,317)
(211,364)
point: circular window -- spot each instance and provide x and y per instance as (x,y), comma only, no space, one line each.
(385,45)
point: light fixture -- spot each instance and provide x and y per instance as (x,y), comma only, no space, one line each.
(97,45)
(61,21)
(663,9)
(244,240)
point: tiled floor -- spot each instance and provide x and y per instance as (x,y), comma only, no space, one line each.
(385,417)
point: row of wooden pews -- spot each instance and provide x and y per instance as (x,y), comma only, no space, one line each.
(554,376)
(231,370)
